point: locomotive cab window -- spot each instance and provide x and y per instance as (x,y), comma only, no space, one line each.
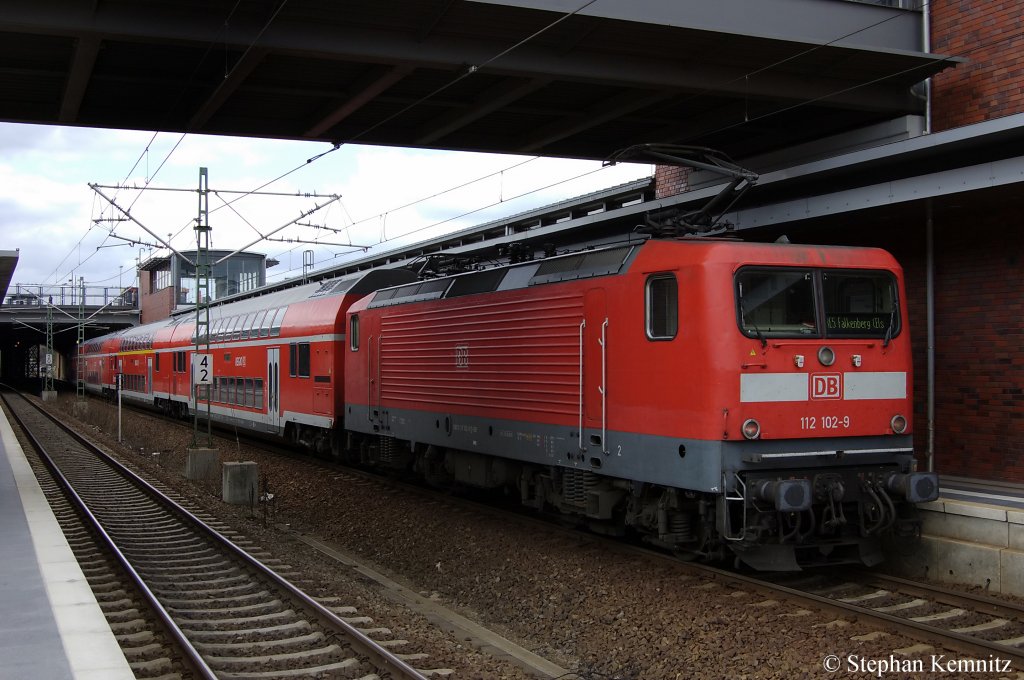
(860,304)
(784,302)
(353,332)
(662,305)
(776,302)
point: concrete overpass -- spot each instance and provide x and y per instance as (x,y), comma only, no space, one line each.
(27,310)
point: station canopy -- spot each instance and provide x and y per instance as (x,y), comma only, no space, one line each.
(546,77)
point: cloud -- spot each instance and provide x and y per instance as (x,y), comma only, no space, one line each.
(405,195)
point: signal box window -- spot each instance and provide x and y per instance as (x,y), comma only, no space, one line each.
(353,333)
(662,307)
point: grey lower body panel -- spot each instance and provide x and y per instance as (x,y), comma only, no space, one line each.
(693,464)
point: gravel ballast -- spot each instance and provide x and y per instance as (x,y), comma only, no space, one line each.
(603,613)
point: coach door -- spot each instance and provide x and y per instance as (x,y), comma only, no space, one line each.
(274,386)
(594,365)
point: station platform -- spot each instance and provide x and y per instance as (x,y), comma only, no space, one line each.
(973,534)
(50,623)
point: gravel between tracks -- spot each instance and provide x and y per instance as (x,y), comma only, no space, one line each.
(600,613)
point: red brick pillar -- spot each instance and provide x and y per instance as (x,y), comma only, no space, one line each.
(988,33)
(670,180)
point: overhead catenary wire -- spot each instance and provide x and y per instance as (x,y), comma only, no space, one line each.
(470,71)
(449,219)
(754,72)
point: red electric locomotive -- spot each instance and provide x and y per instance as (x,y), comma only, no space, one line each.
(711,395)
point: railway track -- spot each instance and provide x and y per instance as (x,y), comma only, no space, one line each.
(978,626)
(225,614)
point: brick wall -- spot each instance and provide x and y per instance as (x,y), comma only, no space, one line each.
(988,32)
(155,306)
(670,180)
(979,335)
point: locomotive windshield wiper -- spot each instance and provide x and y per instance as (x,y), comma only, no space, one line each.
(892,327)
(760,335)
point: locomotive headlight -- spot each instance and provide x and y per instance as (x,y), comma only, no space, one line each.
(751,429)
(826,356)
(898,424)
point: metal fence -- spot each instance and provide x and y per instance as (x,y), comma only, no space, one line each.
(68,295)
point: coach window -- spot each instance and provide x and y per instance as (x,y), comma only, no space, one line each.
(265,324)
(275,327)
(662,307)
(247,331)
(353,332)
(156,362)
(298,359)
(258,323)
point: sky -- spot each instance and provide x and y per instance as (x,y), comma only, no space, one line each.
(389,197)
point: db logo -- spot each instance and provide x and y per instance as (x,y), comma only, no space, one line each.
(826,385)
(461,356)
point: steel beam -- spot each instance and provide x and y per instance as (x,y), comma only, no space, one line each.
(866,25)
(622,105)
(226,87)
(366,94)
(80,71)
(491,100)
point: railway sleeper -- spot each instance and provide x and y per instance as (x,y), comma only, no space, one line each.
(274,632)
(327,655)
(240,623)
(262,647)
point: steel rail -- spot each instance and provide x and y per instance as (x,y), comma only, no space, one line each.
(915,629)
(383,658)
(192,656)
(979,603)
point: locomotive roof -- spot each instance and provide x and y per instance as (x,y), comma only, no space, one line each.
(614,259)
(569,267)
